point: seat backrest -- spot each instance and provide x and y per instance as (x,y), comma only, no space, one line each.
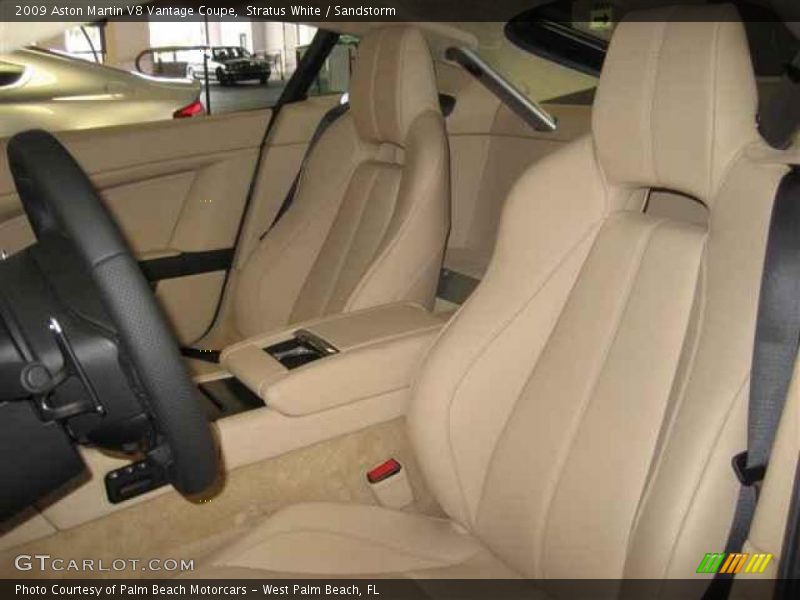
(580,412)
(371,213)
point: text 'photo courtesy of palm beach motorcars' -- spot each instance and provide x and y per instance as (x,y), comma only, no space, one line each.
(510,300)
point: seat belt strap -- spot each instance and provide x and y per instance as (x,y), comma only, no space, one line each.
(779,116)
(327,120)
(774,350)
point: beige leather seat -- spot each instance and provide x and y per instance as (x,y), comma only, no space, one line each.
(371,213)
(578,416)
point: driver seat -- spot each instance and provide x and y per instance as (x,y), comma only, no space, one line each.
(577,417)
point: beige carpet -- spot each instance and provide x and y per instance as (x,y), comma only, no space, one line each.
(171,527)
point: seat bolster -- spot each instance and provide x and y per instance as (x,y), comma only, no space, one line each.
(342,539)
(271,280)
(406,265)
(547,229)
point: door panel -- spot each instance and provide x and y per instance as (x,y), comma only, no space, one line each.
(134,205)
(177,189)
(173,187)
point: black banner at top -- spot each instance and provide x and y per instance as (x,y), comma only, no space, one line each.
(272,10)
(333,10)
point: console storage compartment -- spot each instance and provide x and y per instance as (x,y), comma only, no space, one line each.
(334,361)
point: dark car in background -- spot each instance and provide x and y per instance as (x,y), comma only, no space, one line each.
(229,64)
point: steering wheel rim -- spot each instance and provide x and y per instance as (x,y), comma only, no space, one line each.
(60,200)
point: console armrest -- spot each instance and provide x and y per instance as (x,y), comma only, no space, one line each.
(333,361)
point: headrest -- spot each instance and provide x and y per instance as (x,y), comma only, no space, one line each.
(676,100)
(393,83)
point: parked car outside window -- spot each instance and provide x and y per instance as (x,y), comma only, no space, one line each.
(228,65)
(41,89)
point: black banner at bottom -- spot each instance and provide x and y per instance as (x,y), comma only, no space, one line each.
(376,589)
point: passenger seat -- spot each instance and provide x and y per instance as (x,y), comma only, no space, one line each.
(371,213)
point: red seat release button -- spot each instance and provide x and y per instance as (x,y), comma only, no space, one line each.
(384,471)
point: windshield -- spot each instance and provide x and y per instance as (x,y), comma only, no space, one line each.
(230,53)
(575,33)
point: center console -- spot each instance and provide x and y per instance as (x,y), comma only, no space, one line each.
(322,378)
(331,362)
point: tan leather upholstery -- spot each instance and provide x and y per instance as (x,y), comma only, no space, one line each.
(371,214)
(392,85)
(577,416)
(673,110)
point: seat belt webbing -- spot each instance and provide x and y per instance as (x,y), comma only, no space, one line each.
(779,115)
(327,120)
(774,350)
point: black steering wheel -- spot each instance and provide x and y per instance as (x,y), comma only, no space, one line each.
(61,202)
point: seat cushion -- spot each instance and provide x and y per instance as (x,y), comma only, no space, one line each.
(329,539)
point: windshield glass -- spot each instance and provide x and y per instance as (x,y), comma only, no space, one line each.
(575,33)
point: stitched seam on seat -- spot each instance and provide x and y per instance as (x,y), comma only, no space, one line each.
(587,402)
(320,310)
(403,229)
(698,482)
(348,536)
(669,425)
(652,90)
(592,229)
(349,242)
(712,142)
(399,93)
(373,73)
(530,374)
(387,227)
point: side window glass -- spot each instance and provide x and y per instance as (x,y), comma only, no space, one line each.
(237,65)
(124,72)
(537,77)
(86,42)
(334,77)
